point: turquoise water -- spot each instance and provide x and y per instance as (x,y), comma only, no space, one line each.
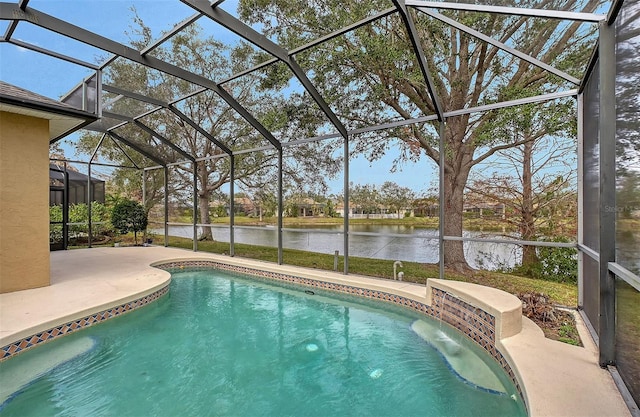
(223,345)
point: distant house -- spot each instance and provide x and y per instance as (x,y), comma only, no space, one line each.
(242,206)
(379,212)
(426,207)
(485,209)
(309,207)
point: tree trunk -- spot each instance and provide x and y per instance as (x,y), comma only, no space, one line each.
(453,215)
(458,163)
(203,208)
(527,220)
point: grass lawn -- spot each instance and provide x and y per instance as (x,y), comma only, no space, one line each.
(560,293)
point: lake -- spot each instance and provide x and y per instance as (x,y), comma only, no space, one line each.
(392,242)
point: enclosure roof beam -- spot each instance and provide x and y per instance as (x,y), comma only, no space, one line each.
(162,105)
(164,140)
(424,119)
(200,130)
(112,115)
(261,148)
(211,157)
(9,11)
(512,103)
(248,33)
(593,60)
(406,122)
(500,45)
(51,53)
(113,100)
(125,153)
(315,42)
(344,30)
(71,161)
(98,126)
(10,29)
(135,96)
(22,4)
(95,152)
(422,60)
(249,70)
(174,31)
(317,97)
(153,167)
(550,14)
(150,131)
(239,28)
(136,148)
(613,11)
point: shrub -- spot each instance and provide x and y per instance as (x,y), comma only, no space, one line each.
(558,264)
(79,213)
(554,264)
(129,216)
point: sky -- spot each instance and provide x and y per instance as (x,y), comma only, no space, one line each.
(53,78)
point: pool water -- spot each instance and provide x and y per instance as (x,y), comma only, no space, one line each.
(220,344)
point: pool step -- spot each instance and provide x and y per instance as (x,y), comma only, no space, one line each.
(16,374)
(464,362)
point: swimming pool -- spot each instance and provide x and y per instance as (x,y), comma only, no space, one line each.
(224,344)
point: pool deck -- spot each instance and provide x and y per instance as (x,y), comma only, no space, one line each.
(559,379)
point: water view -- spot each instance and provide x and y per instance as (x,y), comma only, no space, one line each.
(392,242)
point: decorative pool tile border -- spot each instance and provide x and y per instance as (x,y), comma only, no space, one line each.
(74,325)
(477,324)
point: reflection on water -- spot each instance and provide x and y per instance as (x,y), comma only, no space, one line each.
(404,243)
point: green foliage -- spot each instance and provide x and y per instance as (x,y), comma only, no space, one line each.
(55,213)
(569,334)
(129,216)
(219,211)
(558,264)
(331,209)
(364,197)
(555,264)
(265,202)
(79,214)
(55,230)
(396,197)
(292,210)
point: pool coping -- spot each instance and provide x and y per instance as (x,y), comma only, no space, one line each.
(555,378)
